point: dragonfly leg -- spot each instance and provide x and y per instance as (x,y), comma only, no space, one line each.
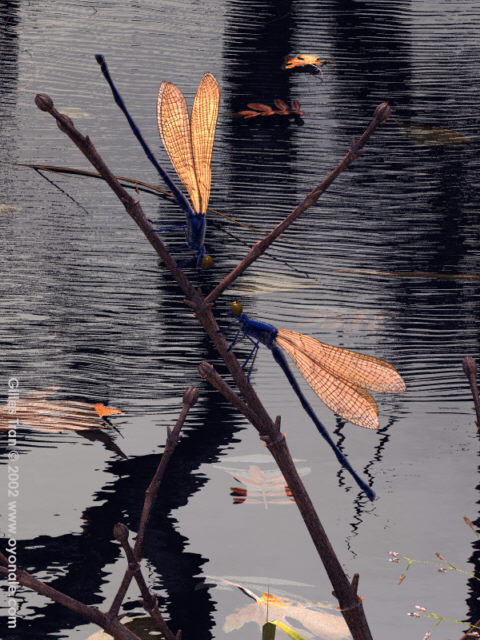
(235,339)
(253,356)
(162,229)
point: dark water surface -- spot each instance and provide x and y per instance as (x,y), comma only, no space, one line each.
(389,256)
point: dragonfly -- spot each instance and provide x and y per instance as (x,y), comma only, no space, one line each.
(338,376)
(189,144)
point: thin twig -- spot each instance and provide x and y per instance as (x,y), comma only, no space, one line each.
(190,397)
(470,369)
(382,112)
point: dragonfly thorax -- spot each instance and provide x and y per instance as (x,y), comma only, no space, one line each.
(261,331)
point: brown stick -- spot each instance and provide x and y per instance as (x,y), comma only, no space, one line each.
(382,113)
(190,397)
(470,369)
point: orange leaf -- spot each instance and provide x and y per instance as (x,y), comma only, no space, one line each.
(249,114)
(260,107)
(103,411)
(280,104)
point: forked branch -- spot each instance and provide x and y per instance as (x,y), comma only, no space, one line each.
(250,405)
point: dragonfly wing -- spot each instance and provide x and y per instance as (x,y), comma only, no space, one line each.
(348,400)
(365,371)
(204,121)
(174,128)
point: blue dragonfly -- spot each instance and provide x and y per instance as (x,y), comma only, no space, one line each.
(339,377)
(189,144)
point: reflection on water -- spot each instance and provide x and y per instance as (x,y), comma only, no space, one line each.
(386,263)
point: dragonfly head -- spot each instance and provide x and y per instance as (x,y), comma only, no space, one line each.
(207,261)
(236,308)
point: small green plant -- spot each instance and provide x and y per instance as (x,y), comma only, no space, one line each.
(443,566)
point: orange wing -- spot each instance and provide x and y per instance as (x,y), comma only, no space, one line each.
(339,377)
(366,371)
(203,123)
(174,128)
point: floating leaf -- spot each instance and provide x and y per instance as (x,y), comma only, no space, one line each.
(8,209)
(296,108)
(259,109)
(264,108)
(317,620)
(434,136)
(35,411)
(303,60)
(249,114)
(103,411)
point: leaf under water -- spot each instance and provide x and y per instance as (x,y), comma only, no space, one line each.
(8,209)
(434,136)
(270,282)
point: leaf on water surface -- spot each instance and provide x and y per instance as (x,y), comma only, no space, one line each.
(434,136)
(270,282)
(302,60)
(103,411)
(35,411)
(258,106)
(259,109)
(317,620)
(8,209)
(249,114)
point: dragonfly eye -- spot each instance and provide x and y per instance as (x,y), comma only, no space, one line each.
(207,261)
(236,308)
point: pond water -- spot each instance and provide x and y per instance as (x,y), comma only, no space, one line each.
(386,264)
